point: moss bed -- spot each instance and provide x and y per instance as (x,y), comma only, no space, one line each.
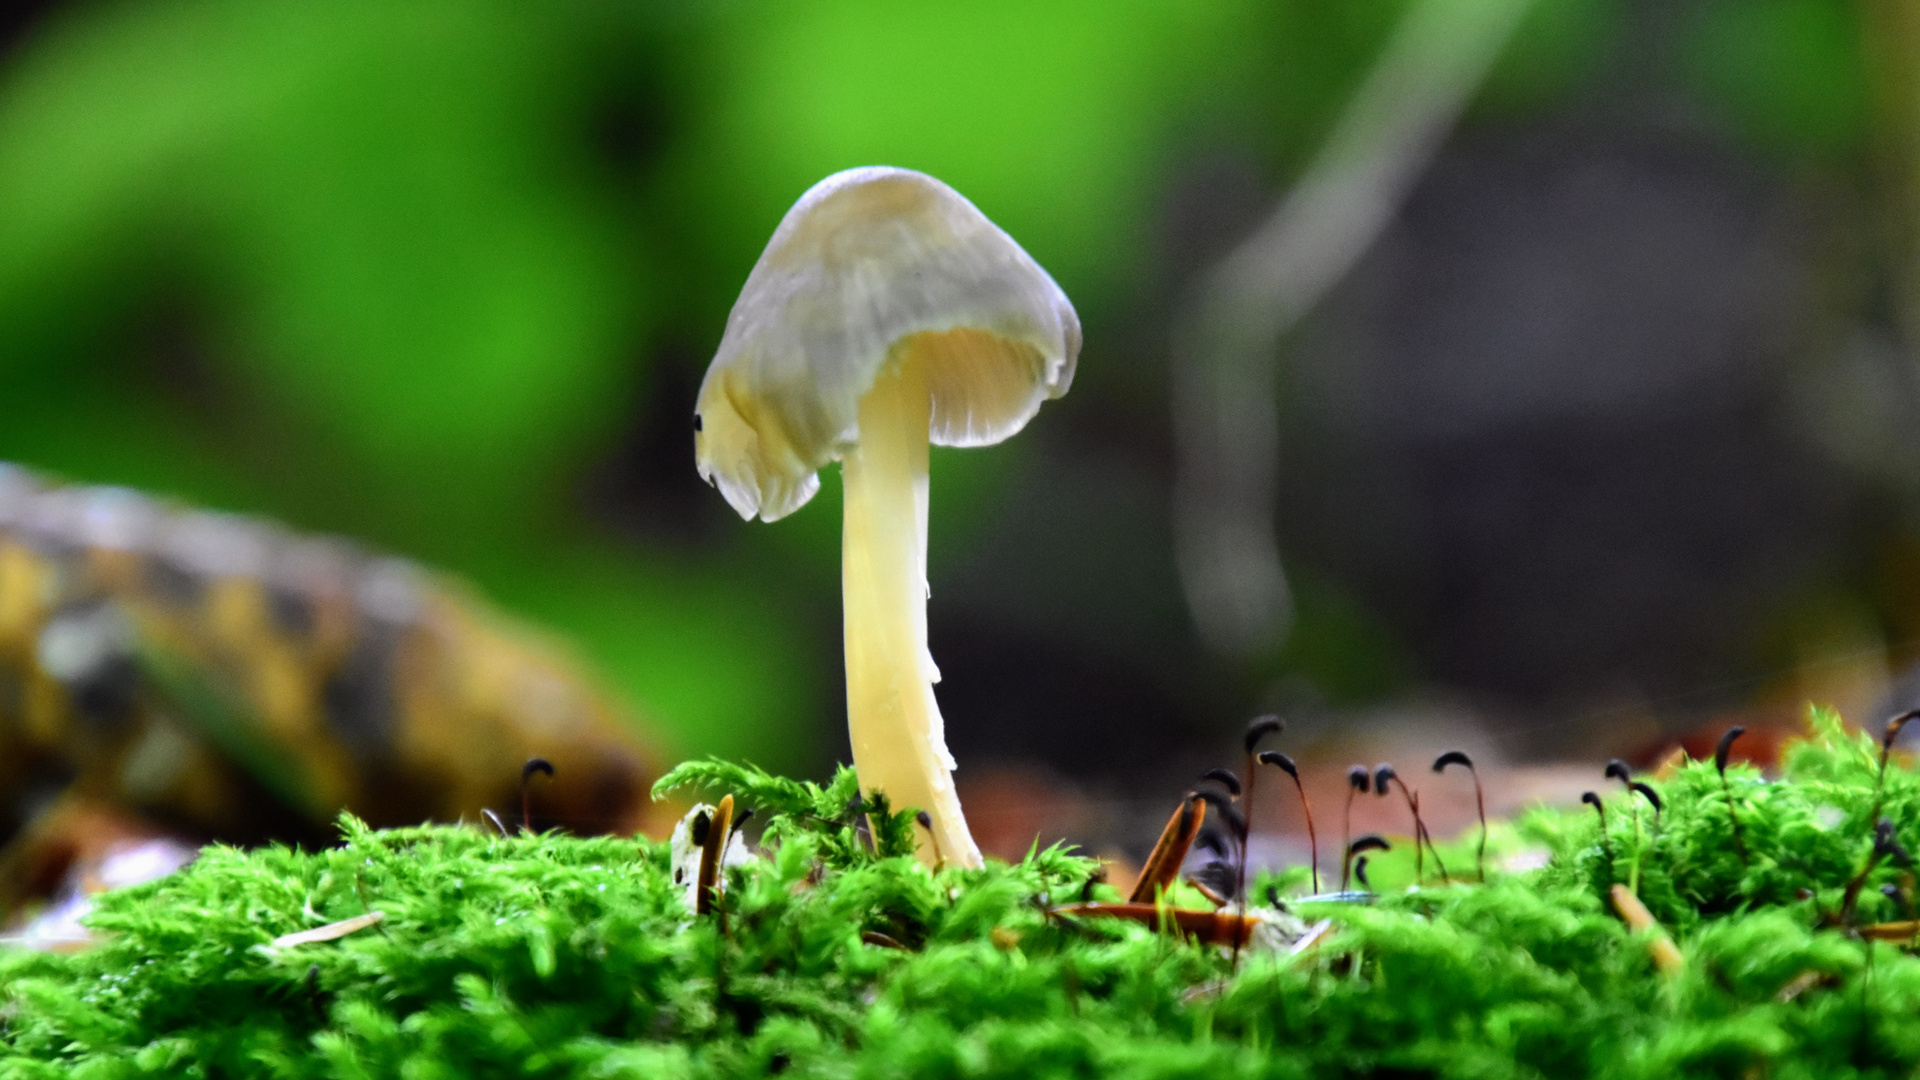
(554,956)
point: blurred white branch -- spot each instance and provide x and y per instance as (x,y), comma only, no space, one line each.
(1226,419)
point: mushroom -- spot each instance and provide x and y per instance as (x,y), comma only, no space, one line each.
(886,313)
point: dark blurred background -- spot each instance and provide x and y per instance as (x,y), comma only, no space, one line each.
(1585,417)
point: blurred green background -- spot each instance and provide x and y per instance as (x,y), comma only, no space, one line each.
(1617,409)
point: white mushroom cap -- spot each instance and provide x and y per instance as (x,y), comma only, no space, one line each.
(866,259)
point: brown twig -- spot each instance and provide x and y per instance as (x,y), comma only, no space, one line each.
(1666,955)
(1162,867)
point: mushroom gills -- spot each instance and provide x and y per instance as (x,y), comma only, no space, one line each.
(899,738)
(983,385)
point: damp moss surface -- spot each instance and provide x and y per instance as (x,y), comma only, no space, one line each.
(835,954)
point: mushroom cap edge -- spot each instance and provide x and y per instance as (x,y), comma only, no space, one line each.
(866,260)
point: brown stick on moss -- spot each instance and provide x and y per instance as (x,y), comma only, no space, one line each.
(1666,955)
(1163,864)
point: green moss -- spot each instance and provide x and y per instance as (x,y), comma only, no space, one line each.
(556,956)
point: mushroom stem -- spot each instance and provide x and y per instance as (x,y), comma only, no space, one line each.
(899,739)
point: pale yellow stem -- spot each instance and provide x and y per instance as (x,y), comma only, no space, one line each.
(899,740)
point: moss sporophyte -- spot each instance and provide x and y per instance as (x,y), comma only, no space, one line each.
(829,950)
